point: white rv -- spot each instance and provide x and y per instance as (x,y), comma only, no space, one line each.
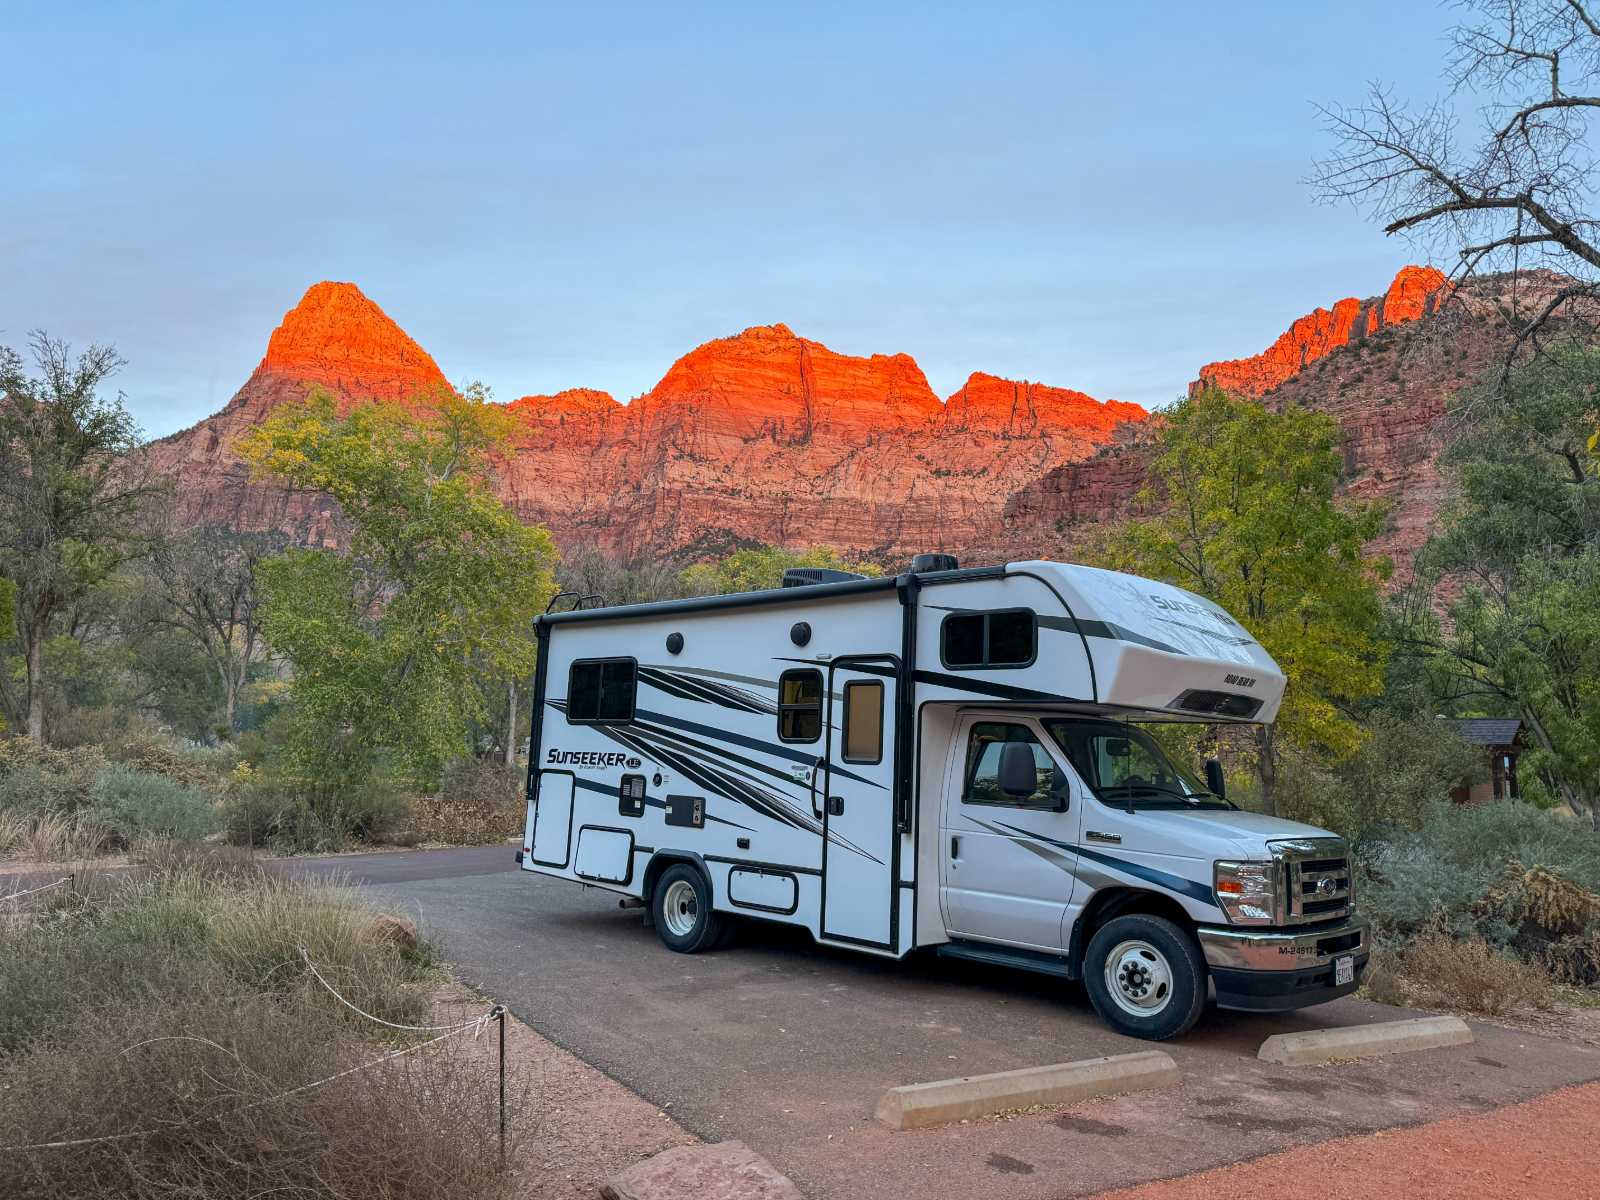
(949,758)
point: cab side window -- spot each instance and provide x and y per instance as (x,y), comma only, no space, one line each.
(983,768)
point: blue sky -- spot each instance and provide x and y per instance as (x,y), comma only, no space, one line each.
(558,195)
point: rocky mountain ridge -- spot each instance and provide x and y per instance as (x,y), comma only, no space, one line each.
(768,436)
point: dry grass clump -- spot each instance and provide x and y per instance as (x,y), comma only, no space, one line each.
(1470,974)
(51,837)
(1383,982)
(176,1009)
(208,1076)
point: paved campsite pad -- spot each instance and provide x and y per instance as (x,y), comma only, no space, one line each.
(788,1047)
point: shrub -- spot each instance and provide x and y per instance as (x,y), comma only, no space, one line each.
(1402,766)
(1383,981)
(271,807)
(178,1004)
(38,779)
(1506,873)
(1469,973)
(480,803)
(201,919)
(135,805)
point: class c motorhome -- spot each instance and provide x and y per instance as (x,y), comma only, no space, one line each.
(949,758)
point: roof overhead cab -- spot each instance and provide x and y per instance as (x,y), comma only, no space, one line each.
(1155,646)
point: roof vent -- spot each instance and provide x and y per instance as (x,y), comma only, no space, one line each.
(934,562)
(807,576)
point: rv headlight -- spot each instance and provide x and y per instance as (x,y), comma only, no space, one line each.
(1248,891)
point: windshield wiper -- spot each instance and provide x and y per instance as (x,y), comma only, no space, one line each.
(1157,789)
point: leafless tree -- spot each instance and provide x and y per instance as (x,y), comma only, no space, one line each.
(202,585)
(1507,190)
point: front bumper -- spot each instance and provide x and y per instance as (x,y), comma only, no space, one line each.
(1270,970)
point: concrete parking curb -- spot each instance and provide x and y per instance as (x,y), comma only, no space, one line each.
(1364,1041)
(920,1104)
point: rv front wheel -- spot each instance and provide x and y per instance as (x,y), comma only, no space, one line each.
(681,905)
(1145,976)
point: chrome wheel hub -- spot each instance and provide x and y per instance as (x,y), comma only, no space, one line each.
(680,908)
(1138,978)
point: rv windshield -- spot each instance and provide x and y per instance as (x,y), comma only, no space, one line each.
(1127,767)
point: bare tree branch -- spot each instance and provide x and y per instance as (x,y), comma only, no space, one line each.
(1515,195)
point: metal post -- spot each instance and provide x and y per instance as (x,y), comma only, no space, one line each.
(500,1011)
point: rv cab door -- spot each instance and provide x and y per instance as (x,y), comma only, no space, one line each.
(857,802)
(1007,859)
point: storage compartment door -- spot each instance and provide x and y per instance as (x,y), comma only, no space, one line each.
(552,819)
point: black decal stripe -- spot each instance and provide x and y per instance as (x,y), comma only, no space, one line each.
(663,683)
(699,690)
(764,803)
(1106,631)
(723,755)
(984,687)
(1173,883)
(776,749)
(644,748)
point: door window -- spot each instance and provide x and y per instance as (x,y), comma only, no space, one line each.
(863,722)
(983,767)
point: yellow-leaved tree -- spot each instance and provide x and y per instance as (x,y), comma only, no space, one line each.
(389,636)
(1246,515)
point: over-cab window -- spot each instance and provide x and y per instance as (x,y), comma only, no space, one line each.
(983,767)
(601,690)
(800,706)
(863,722)
(1005,638)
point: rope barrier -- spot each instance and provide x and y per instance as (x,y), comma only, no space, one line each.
(480,1022)
(175,1127)
(475,1024)
(31,891)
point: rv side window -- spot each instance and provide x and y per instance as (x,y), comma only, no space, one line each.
(800,706)
(863,722)
(601,690)
(983,767)
(1008,638)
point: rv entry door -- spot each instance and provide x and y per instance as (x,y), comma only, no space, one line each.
(857,801)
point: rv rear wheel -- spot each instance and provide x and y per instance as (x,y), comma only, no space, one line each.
(681,906)
(1145,976)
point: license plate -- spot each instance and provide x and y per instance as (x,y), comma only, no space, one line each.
(1344,970)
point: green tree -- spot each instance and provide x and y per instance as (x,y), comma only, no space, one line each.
(755,568)
(1518,566)
(439,580)
(1245,514)
(74,491)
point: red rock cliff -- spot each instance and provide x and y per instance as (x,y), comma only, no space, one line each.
(335,339)
(1414,292)
(761,436)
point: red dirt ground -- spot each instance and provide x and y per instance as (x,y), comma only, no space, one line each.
(1544,1149)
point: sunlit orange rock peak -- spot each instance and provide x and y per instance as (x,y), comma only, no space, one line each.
(1020,408)
(337,337)
(767,381)
(1414,293)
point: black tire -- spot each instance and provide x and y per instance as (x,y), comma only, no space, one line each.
(690,927)
(1158,985)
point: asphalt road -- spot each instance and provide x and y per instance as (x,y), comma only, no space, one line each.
(787,1046)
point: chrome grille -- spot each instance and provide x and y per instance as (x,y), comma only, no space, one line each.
(1316,879)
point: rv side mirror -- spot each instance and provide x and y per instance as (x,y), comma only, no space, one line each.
(1059,791)
(1018,775)
(1214,779)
